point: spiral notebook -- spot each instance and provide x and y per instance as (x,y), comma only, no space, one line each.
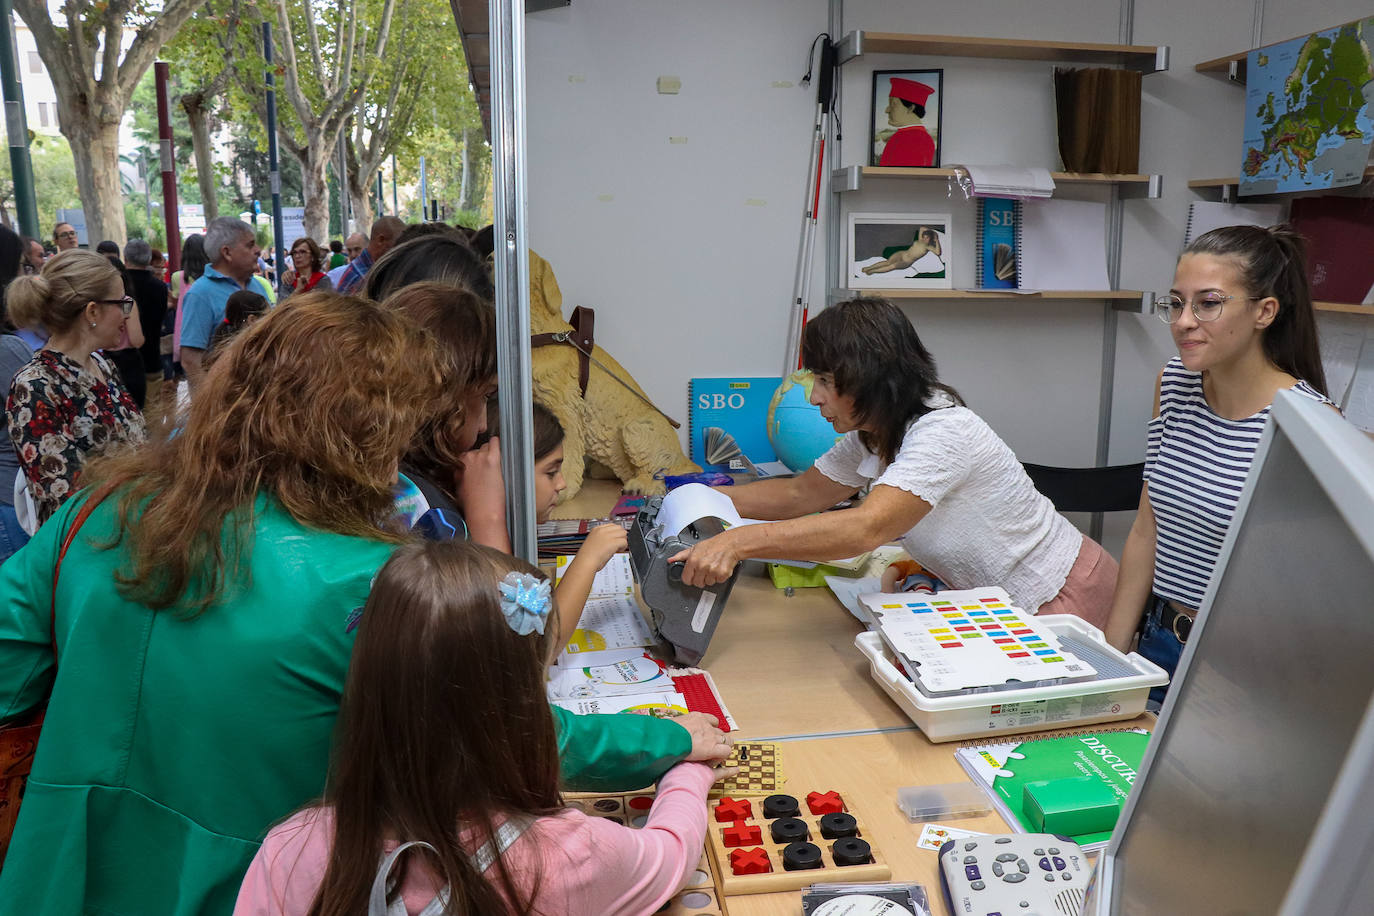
(1062,245)
(739,408)
(1206,215)
(998,237)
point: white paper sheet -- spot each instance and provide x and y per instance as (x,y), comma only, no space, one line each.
(614,579)
(694,501)
(1342,338)
(1359,406)
(609,623)
(1063,245)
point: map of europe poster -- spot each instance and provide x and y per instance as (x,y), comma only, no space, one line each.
(1307,111)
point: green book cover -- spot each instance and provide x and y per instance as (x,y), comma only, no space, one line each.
(1003,769)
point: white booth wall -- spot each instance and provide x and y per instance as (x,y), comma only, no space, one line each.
(677,216)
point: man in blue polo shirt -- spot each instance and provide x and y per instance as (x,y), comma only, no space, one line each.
(230,246)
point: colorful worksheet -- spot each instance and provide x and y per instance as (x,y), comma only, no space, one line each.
(609,623)
(971,639)
(615,578)
(637,673)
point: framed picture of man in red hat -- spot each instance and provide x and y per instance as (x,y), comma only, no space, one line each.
(905,128)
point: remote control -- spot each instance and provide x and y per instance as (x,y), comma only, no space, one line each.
(1017,874)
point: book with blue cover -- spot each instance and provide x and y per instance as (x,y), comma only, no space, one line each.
(739,406)
(998,245)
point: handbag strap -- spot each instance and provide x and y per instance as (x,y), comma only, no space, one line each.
(82,514)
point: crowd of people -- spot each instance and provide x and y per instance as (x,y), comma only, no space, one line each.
(286,662)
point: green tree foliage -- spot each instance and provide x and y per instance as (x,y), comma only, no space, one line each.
(81,43)
(52,179)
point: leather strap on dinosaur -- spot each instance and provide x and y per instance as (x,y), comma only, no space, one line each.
(582,338)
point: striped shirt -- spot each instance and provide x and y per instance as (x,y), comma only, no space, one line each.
(1195,465)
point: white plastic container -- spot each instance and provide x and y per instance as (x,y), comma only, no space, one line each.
(1003,712)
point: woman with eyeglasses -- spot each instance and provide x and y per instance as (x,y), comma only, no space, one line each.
(1241,314)
(306,271)
(69,403)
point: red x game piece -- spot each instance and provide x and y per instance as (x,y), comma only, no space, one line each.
(825,802)
(731,809)
(742,834)
(750,861)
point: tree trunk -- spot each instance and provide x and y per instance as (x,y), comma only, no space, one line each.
(360,195)
(95,149)
(315,187)
(199,117)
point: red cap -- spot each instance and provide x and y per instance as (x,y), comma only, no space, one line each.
(910,90)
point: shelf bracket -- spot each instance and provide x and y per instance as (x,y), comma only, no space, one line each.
(1151,190)
(1233,71)
(849,47)
(849,178)
(1144,306)
(1161,58)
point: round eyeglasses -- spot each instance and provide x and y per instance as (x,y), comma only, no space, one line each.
(1206,307)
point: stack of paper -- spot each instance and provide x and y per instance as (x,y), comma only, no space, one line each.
(615,579)
(1009,181)
(972,640)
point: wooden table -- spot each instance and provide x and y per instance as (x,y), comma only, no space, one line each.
(788,670)
(785,667)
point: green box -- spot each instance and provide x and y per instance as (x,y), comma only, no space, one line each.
(1070,807)
(784,576)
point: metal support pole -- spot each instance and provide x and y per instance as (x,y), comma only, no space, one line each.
(395,207)
(343,188)
(168,165)
(512,270)
(25,204)
(147,186)
(424,189)
(273,164)
(381,195)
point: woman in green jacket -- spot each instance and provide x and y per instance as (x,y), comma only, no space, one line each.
(202,616)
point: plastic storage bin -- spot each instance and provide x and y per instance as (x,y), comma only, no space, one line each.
(1120,691)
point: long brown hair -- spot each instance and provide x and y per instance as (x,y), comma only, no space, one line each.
(444,728)
(464,324)
(311,406)
(876,358)
(1273,262)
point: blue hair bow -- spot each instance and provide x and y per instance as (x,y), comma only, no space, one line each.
(525,601)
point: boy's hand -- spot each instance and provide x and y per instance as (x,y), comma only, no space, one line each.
(604,542)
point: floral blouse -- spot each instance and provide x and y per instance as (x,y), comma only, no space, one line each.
(59,413)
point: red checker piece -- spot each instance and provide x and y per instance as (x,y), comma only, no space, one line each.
(742,834)
(642,802)
(750,861)
(734,809)
(825,802)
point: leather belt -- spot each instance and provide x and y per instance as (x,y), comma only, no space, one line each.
(582,338)
(1180,624)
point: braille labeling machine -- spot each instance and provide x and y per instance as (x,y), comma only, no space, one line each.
(683,616)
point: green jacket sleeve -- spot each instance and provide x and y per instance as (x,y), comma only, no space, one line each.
(26,660)
(617,753)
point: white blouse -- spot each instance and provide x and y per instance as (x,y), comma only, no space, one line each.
(988,525)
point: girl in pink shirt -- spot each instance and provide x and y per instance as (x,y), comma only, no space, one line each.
(444,782)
